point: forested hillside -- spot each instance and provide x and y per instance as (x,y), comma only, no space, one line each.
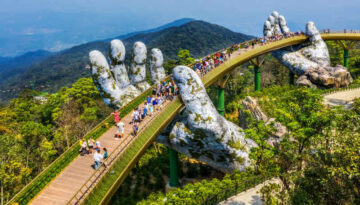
(63,69)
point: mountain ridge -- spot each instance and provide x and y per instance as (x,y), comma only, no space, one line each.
(64,68)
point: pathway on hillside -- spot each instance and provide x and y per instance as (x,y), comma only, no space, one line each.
(342,97)
(249,197)
(70,180)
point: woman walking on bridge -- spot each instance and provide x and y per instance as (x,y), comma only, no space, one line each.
(116,116)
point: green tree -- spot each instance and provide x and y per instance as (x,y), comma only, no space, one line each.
(184,57)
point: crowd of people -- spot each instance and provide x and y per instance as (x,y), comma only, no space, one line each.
(206,64)
(92,147)
(167,91)
(161,93)
(203,66)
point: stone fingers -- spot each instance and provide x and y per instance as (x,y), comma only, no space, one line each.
(317,51)
(118,68)
(204,134)
(138,66)
(157,71)
(103,79)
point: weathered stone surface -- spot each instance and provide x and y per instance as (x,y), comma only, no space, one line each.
(311,61)
(202,133)
(112,94)
(250,104)
(138,66)
(117,56)
(157,71)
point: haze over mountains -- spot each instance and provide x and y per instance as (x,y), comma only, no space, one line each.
(49,73)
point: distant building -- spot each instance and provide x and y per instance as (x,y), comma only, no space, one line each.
(40,99)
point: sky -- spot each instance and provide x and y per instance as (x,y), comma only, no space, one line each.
(57,24)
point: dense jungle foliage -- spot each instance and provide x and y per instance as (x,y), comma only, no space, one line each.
(321,150)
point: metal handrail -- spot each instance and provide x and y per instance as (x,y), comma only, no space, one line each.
(113,155)
(12,200)
(238,187)
(58,159)
(284,37)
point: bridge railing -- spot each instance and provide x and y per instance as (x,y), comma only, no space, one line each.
(84,190)
(237,187)
(50,172)
(127,157)
(339,31)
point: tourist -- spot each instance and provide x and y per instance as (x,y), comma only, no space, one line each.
(135,128)
(97,158)
(144,112)
(116,116)
(83,150)
(105,153)
(160,102)
(148,100)
(135,115)
(120,130)
(105,156)
(154,103)
(91,145)
(151,109)
(98,146)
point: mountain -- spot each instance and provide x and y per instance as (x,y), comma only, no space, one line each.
(4,59)
(64,68)
(175,23)
(11,66)
(8,63)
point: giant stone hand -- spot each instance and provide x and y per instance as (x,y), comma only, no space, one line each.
(310,61)
(201,133)
(112,81)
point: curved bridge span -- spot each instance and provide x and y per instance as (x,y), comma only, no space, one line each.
(102,184)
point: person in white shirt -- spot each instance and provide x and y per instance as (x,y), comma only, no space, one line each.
(120,129)
(98,145)
(97,158)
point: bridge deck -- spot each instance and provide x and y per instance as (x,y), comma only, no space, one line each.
(66,184)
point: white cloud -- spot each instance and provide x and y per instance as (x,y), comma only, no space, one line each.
(40,31)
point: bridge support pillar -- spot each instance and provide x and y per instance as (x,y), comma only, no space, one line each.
(221,101)
(346,45)
(291,78)
(221,94)
(346,57)
(257,62)
(257,78)
(174,168)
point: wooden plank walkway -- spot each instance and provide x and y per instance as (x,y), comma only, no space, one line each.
(69,181)
(344,98)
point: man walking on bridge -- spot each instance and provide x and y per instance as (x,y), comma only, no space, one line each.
(97,158)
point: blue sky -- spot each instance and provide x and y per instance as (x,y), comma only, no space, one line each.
(57,24)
